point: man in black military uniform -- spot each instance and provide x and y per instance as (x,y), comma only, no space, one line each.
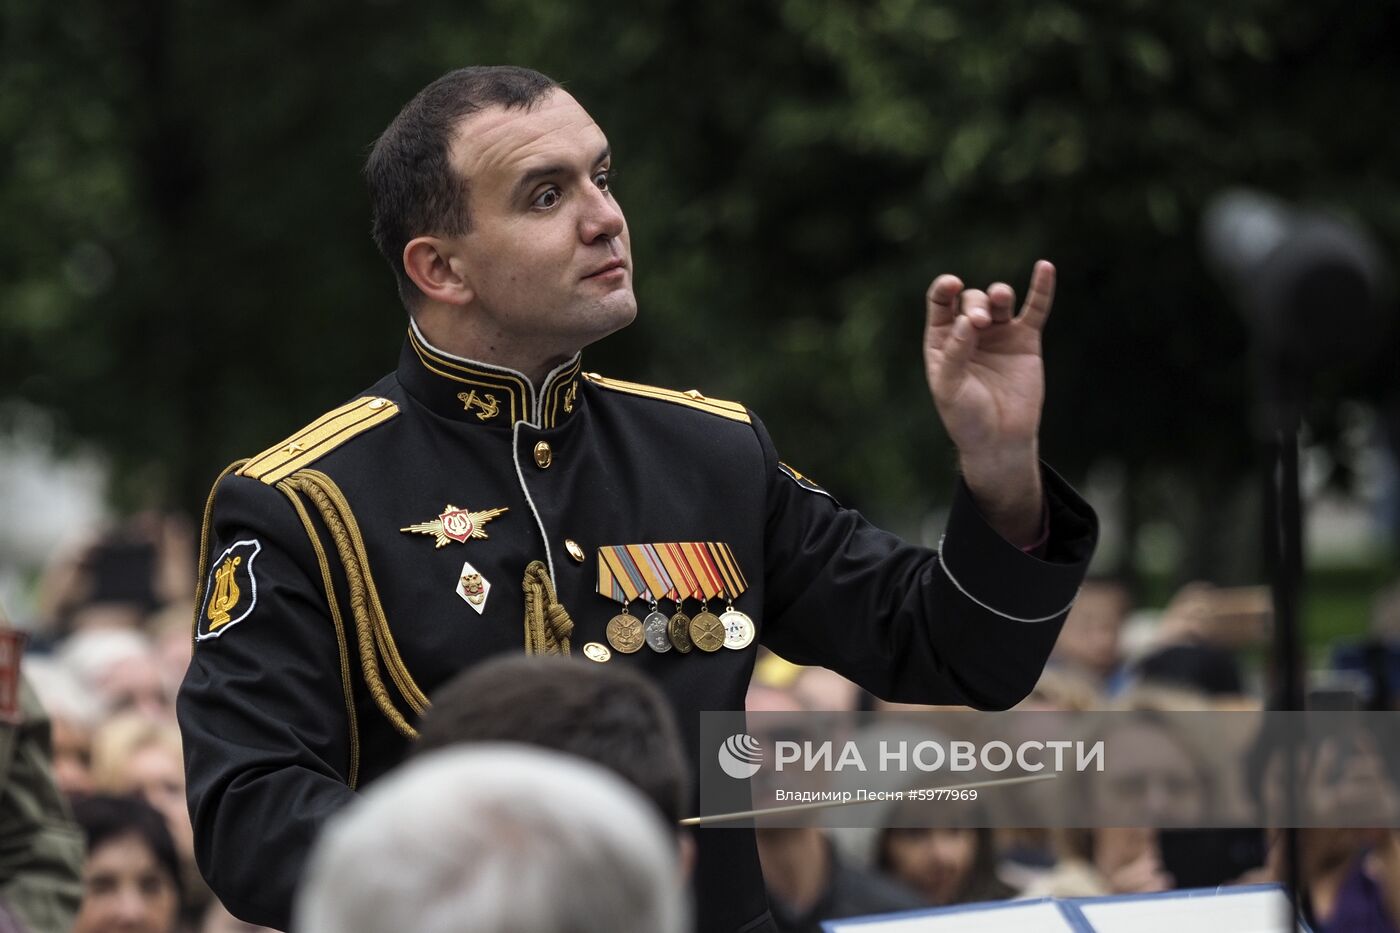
(489,497)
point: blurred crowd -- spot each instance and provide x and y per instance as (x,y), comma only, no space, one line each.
(104,659)
(1208,650)
(475,823)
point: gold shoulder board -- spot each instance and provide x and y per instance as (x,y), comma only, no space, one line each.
(318,438)
(691,399)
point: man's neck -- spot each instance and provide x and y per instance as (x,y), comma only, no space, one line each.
(446,331)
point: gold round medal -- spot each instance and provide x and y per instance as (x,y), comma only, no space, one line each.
(625,633)
(707,631)
(679,630)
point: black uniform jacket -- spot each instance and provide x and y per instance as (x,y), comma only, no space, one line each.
(322,625)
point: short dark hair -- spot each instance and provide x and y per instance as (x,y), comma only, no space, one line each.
(608,715)
(104,818)
(413,189)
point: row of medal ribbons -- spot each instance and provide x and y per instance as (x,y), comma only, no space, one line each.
(704,570)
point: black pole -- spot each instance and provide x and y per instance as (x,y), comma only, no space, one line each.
(1288,269)
(1284,551)
(1288,579)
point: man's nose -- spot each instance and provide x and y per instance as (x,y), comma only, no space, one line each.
(601,217)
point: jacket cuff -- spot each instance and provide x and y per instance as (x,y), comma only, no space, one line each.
(982,564)
(1037,548)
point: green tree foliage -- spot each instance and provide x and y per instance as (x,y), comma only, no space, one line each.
(186,275)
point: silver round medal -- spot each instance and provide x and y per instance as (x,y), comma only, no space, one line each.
(658,639)
(738,629)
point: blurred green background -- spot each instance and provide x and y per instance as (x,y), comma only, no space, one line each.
(186,273)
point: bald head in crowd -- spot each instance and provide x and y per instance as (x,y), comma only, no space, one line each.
(495,839)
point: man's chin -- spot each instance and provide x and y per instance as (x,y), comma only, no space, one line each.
(610,314)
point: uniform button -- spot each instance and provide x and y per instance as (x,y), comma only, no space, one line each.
(544,456)
(594,651)
(574,550)
(378,403)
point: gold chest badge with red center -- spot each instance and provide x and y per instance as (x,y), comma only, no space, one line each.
(455,524)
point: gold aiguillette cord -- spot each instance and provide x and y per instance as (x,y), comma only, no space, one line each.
(547,623)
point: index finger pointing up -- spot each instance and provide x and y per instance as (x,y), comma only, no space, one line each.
(942,298)
(1040,295)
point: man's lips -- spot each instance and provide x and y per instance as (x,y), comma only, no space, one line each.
(607,267)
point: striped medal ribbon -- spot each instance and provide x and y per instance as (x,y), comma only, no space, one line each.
(617,580)
(738,627)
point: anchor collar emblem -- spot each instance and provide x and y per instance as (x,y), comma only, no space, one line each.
(481,394)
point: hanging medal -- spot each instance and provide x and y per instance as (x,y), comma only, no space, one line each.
(654,626)
(624,629)
(679,625)
(727,582)
(738,628)
(625,632)
(706,630)
(658,583)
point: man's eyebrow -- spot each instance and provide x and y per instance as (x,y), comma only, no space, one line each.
(554,168)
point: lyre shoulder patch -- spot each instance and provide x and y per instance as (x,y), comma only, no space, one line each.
(803,481)
(231,591)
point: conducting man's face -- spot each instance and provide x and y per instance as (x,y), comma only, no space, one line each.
(547,255)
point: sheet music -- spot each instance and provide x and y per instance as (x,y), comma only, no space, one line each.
(1225,912)
(1030,917)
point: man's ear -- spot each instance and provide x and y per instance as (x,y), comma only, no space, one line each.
(429,262)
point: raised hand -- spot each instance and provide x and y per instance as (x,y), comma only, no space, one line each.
(986,373)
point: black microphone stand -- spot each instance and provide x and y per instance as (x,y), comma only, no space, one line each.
(1281,409)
